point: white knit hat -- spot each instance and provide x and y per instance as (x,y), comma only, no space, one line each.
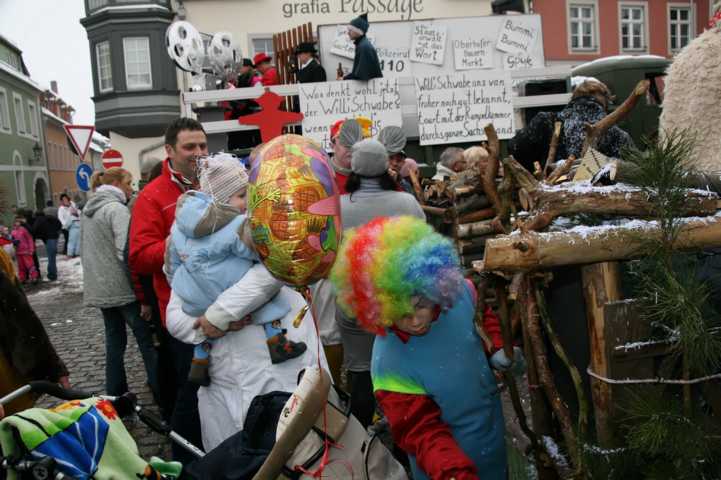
(221,176)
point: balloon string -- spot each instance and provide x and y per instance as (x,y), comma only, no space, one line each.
(327,444)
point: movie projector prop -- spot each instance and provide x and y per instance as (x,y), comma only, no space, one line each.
(211,63)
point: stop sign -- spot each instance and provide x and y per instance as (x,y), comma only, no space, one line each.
(112,158)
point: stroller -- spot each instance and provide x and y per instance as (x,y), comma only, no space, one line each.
(286,436)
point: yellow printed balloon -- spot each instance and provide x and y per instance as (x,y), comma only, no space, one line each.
(294,209)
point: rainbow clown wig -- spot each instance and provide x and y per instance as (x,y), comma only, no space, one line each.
(386,262)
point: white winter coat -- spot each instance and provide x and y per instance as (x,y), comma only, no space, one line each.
(240,366)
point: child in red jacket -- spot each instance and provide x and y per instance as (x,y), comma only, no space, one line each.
(24,250)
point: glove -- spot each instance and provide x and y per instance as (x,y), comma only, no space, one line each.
(500,362)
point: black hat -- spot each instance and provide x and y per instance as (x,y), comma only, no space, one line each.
(247,62)
(306,47)
(361,22)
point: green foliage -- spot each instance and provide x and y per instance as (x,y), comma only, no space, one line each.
(668,434)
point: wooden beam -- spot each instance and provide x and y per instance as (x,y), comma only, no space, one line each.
(583,245)
(601,284)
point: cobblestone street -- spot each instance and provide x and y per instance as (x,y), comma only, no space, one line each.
(79,336)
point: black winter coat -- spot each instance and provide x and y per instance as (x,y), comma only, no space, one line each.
(314,72)
(531,144)
(47,228)
(365,63)
(23,339)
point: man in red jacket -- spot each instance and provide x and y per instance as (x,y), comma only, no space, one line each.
(152,218)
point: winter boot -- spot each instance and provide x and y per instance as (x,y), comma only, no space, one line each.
(199,372)
(282,349)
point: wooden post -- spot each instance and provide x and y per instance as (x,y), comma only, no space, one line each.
(540,409)
(601,284)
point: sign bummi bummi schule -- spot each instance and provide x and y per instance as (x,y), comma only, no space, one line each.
(323,104)
(454,108)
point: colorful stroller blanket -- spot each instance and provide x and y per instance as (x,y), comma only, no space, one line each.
(86,438)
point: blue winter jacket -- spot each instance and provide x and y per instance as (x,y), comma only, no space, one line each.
(207,254)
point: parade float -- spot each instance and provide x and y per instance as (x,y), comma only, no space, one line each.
(602,268)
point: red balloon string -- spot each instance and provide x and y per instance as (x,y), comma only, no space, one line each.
(327,444)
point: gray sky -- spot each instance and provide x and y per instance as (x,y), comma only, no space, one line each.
(55,47)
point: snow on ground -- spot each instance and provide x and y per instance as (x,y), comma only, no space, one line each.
(70,279)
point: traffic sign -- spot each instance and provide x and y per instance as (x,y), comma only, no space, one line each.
(112,158)
(81,136)
(82,176)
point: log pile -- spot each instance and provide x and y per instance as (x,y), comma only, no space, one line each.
(468,204)
(506,221)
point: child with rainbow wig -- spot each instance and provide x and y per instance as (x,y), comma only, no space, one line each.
(402,281)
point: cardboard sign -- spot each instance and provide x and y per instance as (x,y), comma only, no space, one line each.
(322,104)
(428,44)
(517,35)
(454,108)
(518,61)
(473,53)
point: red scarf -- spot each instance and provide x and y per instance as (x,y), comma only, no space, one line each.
(405,336)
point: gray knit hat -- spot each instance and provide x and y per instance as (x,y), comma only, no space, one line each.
(393,139)
(361,23)
(222,176)
(350,133)
(369,158)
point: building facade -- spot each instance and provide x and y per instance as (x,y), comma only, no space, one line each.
(23,167)
(62,159)
(253,22)
(576,31)
(135,83)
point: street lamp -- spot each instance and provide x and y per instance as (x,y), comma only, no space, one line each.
(37,151)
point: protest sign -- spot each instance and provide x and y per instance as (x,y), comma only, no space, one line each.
(322,104)
(473,53)
(518,61)
(454,108)
(428,44)
(517,35)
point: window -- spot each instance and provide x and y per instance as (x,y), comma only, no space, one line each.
(33,117)
(19,114)
(680,27)
(633,27)
(105,69)
(137,63)
(262,44)
(19,178)
(582,26)
(4,111)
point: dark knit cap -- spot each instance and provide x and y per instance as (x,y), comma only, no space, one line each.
(361,22)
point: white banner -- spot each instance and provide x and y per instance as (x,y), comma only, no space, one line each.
(323,104)
(454,108)
(428,44)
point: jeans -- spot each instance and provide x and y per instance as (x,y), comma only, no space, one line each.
(65,240)
(186,419)
(74,239)
(116,340)
(51,247)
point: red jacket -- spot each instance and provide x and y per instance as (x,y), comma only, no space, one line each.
(152,217)
(270,77)
(341,180)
